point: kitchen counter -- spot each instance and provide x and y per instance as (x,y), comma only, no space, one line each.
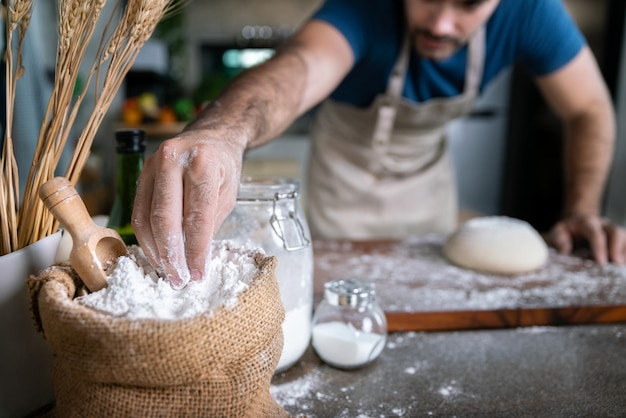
(555,369)
(565,371)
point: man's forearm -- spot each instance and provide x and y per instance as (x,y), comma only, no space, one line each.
(259,104)
(588,154)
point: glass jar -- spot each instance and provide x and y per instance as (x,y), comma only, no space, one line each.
(268,215)
(349,326)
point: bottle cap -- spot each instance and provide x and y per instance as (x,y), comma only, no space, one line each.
(130,140)
(348,292)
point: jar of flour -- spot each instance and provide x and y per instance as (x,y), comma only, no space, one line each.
(268,215)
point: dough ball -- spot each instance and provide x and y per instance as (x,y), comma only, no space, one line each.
(498,245)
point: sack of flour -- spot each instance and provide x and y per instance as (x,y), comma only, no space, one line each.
(214,364)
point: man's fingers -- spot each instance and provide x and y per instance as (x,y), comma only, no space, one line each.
(142,207)
(202,197)
(187,188)
(166,214)
(561,239)
(617,242)
(607,241)
(594,232)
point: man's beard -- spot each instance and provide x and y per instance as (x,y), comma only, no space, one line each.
(447,44)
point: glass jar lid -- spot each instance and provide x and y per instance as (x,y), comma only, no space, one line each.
(348,292)
(254,189)
(285,218)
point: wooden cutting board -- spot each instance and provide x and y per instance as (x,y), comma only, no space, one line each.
(419,290)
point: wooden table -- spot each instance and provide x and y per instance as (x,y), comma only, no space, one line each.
(487,368)
(420,290)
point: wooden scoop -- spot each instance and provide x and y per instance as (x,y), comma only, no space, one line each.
(94,249)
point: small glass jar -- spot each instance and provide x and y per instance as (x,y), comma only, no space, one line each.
(349,326)
(267,214)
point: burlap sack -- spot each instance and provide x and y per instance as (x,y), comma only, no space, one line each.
(209,366)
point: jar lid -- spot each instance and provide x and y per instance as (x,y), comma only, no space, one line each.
(268,189)
(348,292)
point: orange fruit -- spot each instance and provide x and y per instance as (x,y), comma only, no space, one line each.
(132,116)
(167,115)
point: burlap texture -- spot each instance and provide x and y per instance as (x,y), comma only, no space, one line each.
(217,365)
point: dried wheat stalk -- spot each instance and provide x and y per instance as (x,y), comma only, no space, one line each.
(116,54)
(17,15)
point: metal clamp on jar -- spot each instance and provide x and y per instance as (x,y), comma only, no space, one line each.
(268,215)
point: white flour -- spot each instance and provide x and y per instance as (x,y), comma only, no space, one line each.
(296,334)
(342,345)
(135,291)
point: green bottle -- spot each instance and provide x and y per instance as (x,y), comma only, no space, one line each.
(130,157)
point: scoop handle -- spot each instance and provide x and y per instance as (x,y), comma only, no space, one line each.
(94,248)
(62,200)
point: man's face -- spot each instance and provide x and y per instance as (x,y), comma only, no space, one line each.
(440,27)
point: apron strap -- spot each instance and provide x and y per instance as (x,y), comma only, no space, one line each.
(400,68)
(387,111)
(475,62)
(386,115)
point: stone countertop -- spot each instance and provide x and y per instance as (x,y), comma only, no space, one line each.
(563,371)
(546,370)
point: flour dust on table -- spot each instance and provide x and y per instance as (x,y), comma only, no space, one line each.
(415,276)
(135,291)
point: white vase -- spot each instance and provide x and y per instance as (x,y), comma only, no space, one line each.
(25,358)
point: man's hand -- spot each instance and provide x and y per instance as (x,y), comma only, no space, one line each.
(607,241)
(189,186)
(186,190)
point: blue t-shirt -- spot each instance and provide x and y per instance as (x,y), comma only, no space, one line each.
(539,34)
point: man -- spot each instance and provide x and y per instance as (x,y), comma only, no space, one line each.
(397,72)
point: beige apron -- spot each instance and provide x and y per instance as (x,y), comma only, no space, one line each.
(383,171)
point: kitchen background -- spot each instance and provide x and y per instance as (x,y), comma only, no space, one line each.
(508,150)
